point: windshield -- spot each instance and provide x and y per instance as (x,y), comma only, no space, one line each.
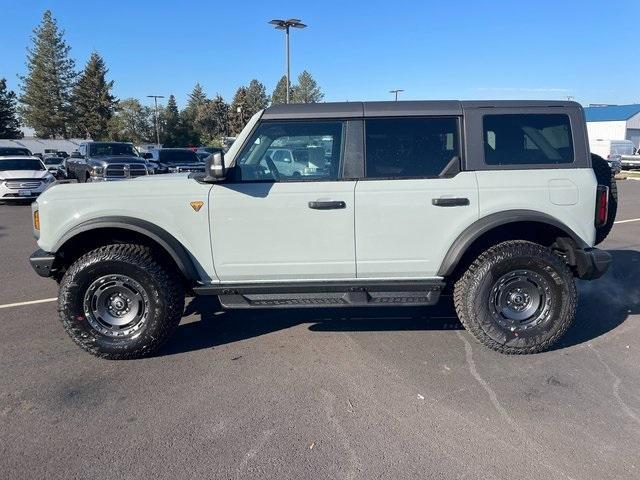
(52,161)
(99,149)
(26,164)
(177,156)
(14,151)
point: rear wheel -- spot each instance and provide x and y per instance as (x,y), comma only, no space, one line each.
(517,297)
(120,301)
(606,177)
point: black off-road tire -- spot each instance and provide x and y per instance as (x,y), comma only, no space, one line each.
(163,291)
(474,295)
(606,177)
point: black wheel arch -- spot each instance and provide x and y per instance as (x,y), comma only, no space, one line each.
(508,225)
(99,231)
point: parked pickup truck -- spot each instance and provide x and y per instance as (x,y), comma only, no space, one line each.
(106,161)
(500,201)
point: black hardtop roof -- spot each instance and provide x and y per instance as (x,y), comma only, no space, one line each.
(399,108)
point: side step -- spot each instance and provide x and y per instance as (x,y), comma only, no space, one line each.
(326,294)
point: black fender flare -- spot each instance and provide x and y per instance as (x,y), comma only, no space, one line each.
(485,224)
(163,238)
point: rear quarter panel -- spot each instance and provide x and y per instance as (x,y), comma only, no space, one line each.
(569,195)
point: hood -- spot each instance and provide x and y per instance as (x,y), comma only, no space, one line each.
(193,164)
(9,174)
(118,159)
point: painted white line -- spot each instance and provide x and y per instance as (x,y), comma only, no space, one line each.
(31,302)
(627,221)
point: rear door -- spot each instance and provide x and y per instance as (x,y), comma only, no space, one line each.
(274,223)
(414,200)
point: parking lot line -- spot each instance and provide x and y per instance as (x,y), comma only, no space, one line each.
(627,221)
(31,302)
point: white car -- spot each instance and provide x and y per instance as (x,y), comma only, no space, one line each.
(23,178)
(295,163)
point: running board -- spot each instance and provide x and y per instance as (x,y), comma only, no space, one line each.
(326,294)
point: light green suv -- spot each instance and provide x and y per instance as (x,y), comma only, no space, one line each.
(499,200)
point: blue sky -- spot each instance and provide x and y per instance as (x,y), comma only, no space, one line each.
(356,50)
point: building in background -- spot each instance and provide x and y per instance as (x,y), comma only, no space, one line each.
(614,122)
(42,145)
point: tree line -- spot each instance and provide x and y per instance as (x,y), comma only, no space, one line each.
(59,102)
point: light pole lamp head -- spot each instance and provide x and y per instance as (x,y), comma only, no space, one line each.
(284,24)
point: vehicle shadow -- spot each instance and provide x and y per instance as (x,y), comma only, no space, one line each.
(604,304)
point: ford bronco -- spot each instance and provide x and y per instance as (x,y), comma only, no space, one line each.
(499,201)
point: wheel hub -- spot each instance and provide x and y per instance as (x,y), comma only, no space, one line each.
(116,305)
(519,300)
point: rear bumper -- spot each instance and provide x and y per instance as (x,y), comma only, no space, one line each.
(591,263)
(42,263)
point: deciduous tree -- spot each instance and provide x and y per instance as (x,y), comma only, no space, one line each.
(212,120)
(132,122)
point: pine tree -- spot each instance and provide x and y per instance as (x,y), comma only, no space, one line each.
(238,116)
(9,124)
(307,90)
(213,120)
(46,88)
(132,122)
(197,98)
(279,95)
(92,102)
(256,98)
(173,133)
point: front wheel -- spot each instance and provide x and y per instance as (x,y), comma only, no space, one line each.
(120,301)
(517,297)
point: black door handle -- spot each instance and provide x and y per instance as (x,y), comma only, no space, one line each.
(327,205)
(450,202)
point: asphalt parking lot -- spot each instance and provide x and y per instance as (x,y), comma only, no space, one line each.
(388,393)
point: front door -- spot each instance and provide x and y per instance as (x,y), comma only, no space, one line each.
(277,220)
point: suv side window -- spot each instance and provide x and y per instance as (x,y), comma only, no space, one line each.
(296,150)
(410,147)
(527,139)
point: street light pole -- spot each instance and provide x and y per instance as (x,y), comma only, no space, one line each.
(285,25)
(286,36)
(396,92)
(155,116)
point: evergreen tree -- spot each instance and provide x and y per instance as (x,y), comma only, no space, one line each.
(213,120)
(256,98)
(307,90)
(9,124)
(92,102)
(132,122)
(238,115)
(197,98)
(46,88)
(279,95)
(173,133)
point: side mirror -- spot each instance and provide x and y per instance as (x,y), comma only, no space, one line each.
(214,168)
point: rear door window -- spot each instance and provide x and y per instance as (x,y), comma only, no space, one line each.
(410,147)
(527,139)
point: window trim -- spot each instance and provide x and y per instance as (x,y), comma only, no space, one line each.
(504,166)
(474,141)
(236,168)
(446,172)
